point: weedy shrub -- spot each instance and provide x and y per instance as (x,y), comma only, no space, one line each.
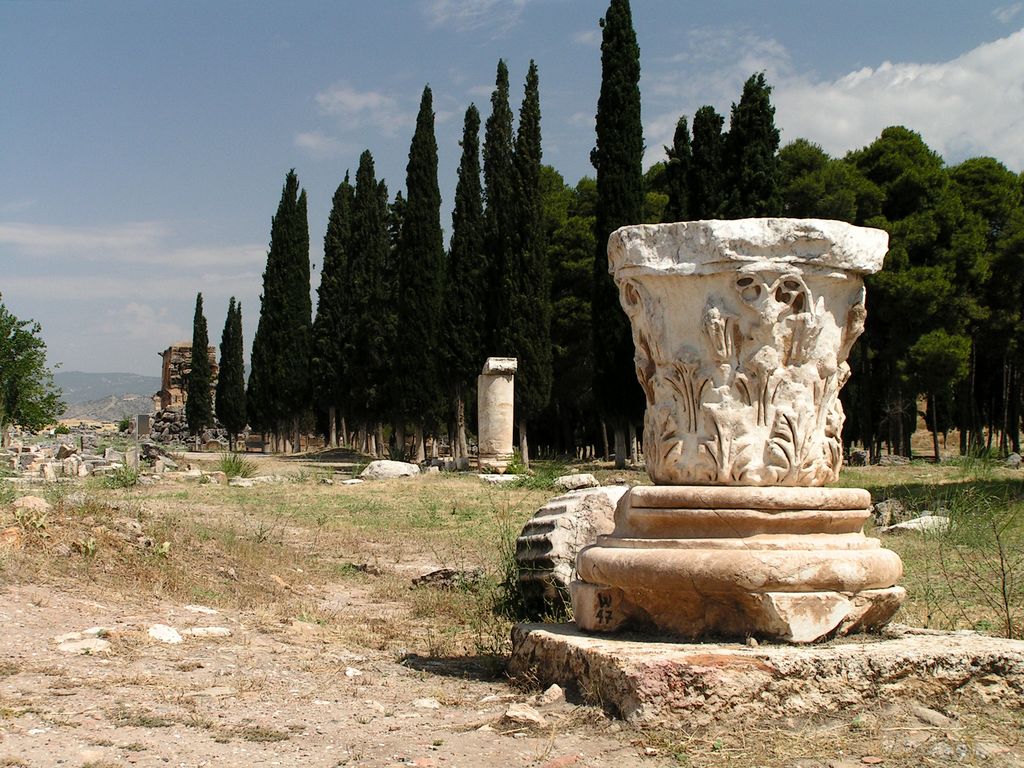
(236,465)
(122,477)
(982,559)
(6,492)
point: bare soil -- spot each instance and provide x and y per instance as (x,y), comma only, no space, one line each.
(333,659)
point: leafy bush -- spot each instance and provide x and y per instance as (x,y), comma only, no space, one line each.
(236,465)
(124,425)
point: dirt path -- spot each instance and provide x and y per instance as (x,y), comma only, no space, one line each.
(265,695)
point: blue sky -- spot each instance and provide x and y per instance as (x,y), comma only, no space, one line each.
(143,145)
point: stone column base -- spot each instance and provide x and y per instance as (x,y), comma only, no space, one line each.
(786,564)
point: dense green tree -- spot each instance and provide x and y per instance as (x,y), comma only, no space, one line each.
(677,172)
(198,404)
(331,326)
(617,158)
(813,185)
(368,346)
(279,379)
(420,271)
(530,330)
(500,221)
(571,253)
(938,362)
(751,155)
(464,286)
(28,396)
(229,400)
(707,168)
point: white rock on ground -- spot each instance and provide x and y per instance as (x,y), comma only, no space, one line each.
(923,524)
(165,634)
(387,470)
(33,504)
(207,632)
(492,479)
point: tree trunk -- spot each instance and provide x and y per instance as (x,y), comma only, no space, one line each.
(297,447)
(935,427)
(332,437)
(620,447)
(382,451)
(604,440)
(421,448)
(524,446)
(460,425)
(400,439)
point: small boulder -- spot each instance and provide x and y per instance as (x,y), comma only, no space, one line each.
(524,714)
(165,634)
(888,512)
(494,479)
(1013,461)
(858,458)
(385,469)
(576,482)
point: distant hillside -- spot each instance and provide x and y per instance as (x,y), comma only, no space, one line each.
(111,408)
(79,387)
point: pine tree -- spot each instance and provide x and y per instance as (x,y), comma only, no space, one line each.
(500,218)
(331,325)
(677,172)
(420,273)
(752,145)
(530,302)
(617,157)
(279,380)
(230,394)
(465,289)
(198,406)
(704,182)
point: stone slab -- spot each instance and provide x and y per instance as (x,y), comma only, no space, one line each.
(691,684)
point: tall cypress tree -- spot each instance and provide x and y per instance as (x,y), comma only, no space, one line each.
(500,217)
(279,380)
(464,302)
(367,346)
(677,172)
(530,302)
(420,271)
(331,324)
(704,182)
(198,406)
(752,146)
(230,394)
(617,157)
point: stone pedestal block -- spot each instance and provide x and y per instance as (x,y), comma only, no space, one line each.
(701,561)
(495,399)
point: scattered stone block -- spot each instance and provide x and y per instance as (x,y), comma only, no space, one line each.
(33,504)
(576,482)
(547,546)
(888,512)
(1013,461)
(493,479)
(385,469)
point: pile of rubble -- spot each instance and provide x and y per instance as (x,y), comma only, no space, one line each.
(170,426)
(63,459)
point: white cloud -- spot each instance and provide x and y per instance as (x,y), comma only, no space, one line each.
(590,38)
(971,105)
(1006,13)
(143,243)
(318,144)
(142,322)
(361,108)
(472,15)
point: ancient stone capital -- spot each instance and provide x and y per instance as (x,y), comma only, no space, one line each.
(742,331)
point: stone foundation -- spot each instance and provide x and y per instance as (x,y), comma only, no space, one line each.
(696,684)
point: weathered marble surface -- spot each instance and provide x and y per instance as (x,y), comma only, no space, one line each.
(742,330)
(495,401)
